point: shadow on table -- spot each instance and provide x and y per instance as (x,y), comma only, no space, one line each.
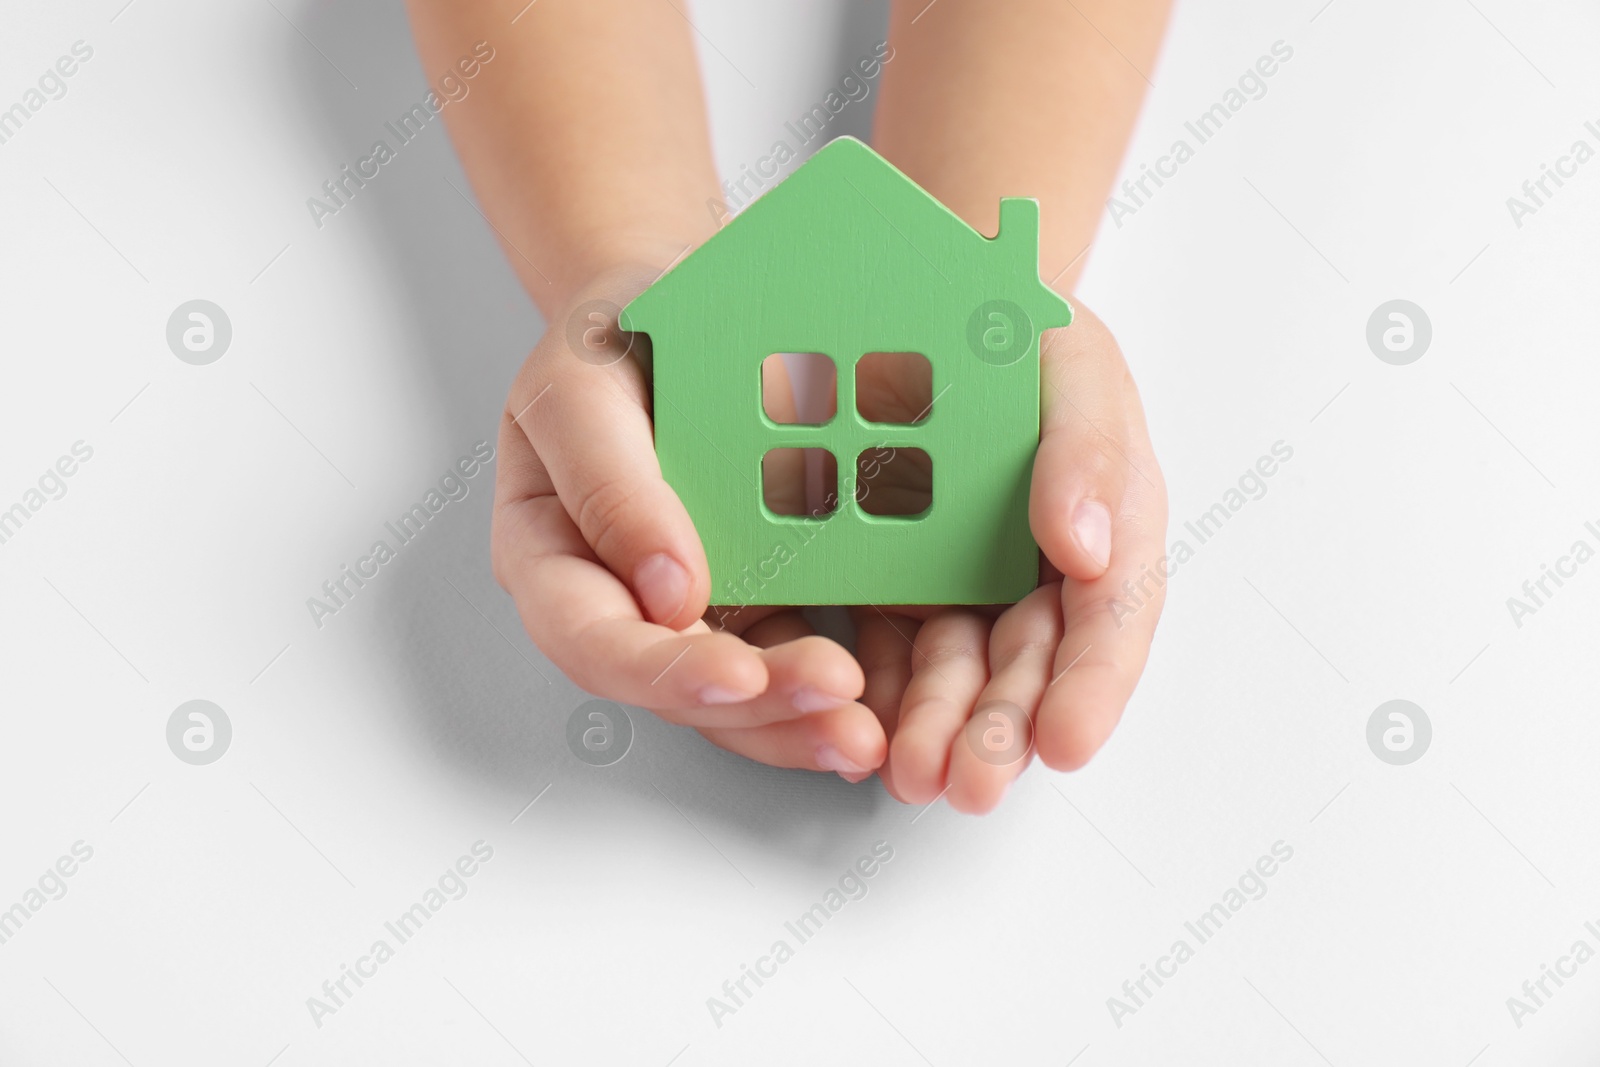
(482,697)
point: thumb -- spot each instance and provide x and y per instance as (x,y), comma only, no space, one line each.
(1082,465)
(587,421)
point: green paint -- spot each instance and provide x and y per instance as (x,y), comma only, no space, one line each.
(845,257)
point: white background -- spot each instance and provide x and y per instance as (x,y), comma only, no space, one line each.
(370,753)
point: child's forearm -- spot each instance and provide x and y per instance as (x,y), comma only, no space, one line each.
(585,138)
(1026,98)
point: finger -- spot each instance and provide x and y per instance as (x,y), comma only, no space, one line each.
(813,673)
(590,426)
(807,675)
(743,621)
(848,741)
(997,742)
(765,627)
(588,623)
(948,670)
(1083,461)
(884,640)
(1110,623)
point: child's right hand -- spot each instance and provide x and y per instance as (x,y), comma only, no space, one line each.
(609,575)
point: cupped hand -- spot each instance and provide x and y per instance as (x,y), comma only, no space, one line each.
(611,581)
(609,576)
(968,695)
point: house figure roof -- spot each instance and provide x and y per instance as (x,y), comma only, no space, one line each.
(847,257)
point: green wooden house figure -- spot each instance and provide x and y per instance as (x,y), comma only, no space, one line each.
(846,257)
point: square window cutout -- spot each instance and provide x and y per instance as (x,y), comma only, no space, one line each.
(894,482)
(894,387)
(799,388)
(800,482)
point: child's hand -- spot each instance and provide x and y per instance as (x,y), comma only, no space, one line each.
(1098,509)
(600,555)
(611,580)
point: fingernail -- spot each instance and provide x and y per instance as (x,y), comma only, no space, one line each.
(662,585)
(1091,526)
(721,694)
(856,779)
(811,700)
(831,759)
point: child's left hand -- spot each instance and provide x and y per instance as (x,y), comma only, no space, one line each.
(1098,508)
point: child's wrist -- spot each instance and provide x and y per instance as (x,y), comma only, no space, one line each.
(616,265)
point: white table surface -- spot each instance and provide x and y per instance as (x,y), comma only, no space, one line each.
(369,754)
